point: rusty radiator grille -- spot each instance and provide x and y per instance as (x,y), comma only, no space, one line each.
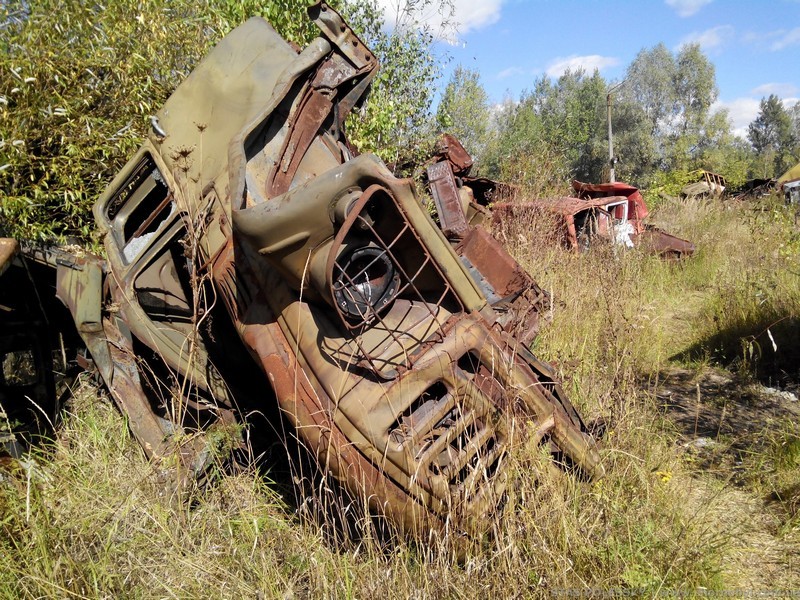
(468,455)
(451,440)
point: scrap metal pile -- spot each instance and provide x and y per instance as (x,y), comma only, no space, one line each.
(604,212)
(276,267)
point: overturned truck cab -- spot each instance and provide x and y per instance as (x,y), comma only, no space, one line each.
(251,253)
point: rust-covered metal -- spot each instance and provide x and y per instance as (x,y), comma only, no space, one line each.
(461,204)
(601,212)
(253,258)
(643,234)
(35,337)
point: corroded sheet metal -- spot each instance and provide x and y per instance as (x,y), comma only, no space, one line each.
(503,272)
(450,150)
(452,217)
(664,244)
(8,250)
(637,209)
(571,206)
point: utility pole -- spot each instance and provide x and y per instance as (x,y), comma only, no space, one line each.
(612,160)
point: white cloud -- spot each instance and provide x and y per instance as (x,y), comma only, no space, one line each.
(778,39)
(710,38)
(468,15)
(779,89)
(760,37)
(686,8)
(741,112)
(510,72)
(588,63)
(788,38)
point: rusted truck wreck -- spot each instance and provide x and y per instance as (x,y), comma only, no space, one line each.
(604,212)
(610,213)
(251,253)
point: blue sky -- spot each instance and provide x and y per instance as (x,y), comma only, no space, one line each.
(754,45)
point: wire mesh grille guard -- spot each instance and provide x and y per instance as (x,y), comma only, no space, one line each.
(378,267)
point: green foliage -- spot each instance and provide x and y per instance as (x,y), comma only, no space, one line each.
(396,121)
(695,89)
(730,156)
(464,111)
(649,84)
(666,184)
(794,113)
(554,133)
(573,114)
(519,153)
(78,81)
(774,138)
(675,93)
(634,144)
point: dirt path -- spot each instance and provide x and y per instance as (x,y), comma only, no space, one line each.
(728,428)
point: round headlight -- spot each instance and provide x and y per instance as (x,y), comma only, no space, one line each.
(364,282)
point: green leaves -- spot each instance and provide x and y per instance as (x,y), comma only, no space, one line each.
(396,121)
(773,136)
(556,132)
(464,111)
(79,80)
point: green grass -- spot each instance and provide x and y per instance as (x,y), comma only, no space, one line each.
(92,518)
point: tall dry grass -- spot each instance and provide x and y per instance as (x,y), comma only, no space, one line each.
(90,517)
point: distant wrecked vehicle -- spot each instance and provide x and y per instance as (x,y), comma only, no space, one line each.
(627,222)
(791,192)
(705,185)
(255,260)
(611,213)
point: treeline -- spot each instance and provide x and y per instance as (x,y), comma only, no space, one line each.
(664,126)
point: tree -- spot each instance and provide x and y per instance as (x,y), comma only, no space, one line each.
(519,152)
(464,110)
(723,152)
(794,112)
(573,116)
(649,85)
(396,122)
(634,143)
(772,136)
(561,128)
(695,87)
(676,92)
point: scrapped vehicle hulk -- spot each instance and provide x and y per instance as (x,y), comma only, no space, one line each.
(252,254)
(601,212)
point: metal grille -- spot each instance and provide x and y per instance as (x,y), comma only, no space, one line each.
(377,258)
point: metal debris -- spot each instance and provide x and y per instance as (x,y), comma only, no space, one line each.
(278,269)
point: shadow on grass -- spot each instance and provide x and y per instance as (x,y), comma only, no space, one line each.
(725,422)
(767,349)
